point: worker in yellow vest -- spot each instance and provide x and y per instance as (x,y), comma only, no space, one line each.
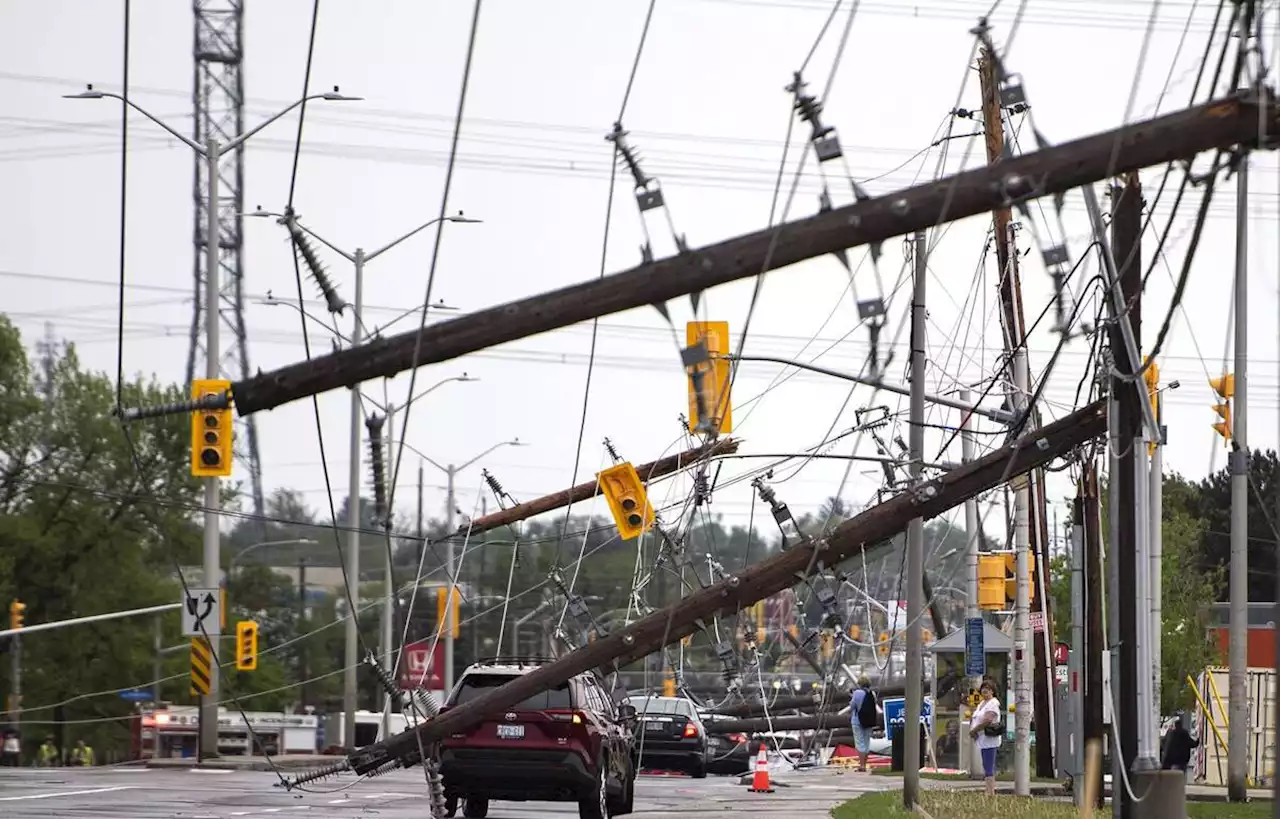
(82,754)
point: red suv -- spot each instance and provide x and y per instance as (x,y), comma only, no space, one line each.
(569,744)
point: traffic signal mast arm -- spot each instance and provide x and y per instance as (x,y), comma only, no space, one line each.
(758,581)
(1232,120)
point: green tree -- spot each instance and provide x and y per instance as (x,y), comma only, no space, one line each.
(91,520)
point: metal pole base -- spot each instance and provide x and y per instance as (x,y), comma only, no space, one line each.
(1163,793)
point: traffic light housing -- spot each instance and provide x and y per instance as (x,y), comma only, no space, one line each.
(1151,377)
(1011,577)
(210,431)
(882,644)
(451,620)
(668,685)
(628,502)
(714,376)
(17,614)
(991,583)
(246,645)
(1225,387)
(828,644)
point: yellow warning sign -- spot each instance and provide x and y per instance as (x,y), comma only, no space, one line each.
(201,666)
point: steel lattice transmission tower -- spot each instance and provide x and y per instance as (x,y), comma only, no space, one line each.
(218,97)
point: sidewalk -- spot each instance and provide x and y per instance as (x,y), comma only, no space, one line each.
(284,762)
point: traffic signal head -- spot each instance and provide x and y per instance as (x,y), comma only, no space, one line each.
(1223,427)
(246,645)
(17,614)
(1011,577)
(210,431)
(991,583)
(447,617)
(1224,386)
(709,392)
(628,502)
(882,644)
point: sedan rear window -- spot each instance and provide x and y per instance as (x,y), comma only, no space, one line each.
(475,686)
(662,705)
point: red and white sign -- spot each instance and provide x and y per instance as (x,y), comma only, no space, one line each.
(420,667)
(1061,651)
(1037,621)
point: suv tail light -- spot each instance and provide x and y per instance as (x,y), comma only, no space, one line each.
(690,730)
(576,717)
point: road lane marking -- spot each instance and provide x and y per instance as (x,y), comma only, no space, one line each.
(66,793)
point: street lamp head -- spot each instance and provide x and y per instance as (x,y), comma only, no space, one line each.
(461,219)
(466,378)
(516,442)
(335,96)
(87,94)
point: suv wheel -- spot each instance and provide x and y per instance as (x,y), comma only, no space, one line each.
(450,806)
(596,804)
(626,800)
(477,807)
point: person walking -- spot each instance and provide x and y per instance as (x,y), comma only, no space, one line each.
(863,718)
(11,750)
(987,730)
(1178,744)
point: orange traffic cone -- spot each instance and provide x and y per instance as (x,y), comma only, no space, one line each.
(760,781)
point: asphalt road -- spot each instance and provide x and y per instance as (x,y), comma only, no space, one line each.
(140,793)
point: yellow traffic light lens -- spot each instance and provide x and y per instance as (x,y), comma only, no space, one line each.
(211,421)
(634,519)
(628,504)
(210,457)
(211,438)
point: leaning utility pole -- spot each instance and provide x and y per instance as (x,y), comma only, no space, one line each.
(915,535)
(756,582)
(351,642)
(1235,119)
(1029,500)
(1238,582)
(1126,247)
(1075,705)
(973,540)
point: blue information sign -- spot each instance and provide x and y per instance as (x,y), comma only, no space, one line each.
(895,714)
(975,655)
(136,696)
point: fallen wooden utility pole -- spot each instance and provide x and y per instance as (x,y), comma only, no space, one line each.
(589,489)
(756,582)
(1232,120)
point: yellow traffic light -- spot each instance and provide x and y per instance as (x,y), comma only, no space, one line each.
(668,685)
(246,645)
(628,502)
(1011,577)
(17,614)
(882,644)
(210,432)
(757,614)
(855,631)
(714,381)
(450,618)
(828,643)
(1223,427)
(1224,386)
(1151,376)
(991,575)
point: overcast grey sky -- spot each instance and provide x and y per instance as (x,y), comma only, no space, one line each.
(709,114)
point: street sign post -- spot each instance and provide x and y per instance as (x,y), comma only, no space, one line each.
(202,613)
(975,653)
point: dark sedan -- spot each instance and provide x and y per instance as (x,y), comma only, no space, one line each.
(670,735)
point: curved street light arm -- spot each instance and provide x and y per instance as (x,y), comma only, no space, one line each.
(236,142)
(186,140)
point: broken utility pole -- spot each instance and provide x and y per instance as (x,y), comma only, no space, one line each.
(1232,120)
(768,577)
(589,489)
(1094,730)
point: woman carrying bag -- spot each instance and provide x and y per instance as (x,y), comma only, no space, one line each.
(987,730)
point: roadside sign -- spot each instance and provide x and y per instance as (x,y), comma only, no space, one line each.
(421,667)
(975,663)
(895,714)
(201,612)
(1061,652)
(137,696)
(1037,621)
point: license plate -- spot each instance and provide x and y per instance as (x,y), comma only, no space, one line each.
(653,726)
(510,732)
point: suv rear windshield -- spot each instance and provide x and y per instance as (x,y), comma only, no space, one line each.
(662,705)
(475,686)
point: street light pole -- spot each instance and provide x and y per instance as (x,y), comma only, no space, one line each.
(352,625)
(358,259)
(212,151)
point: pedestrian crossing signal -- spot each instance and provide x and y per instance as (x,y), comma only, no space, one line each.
(246,645)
